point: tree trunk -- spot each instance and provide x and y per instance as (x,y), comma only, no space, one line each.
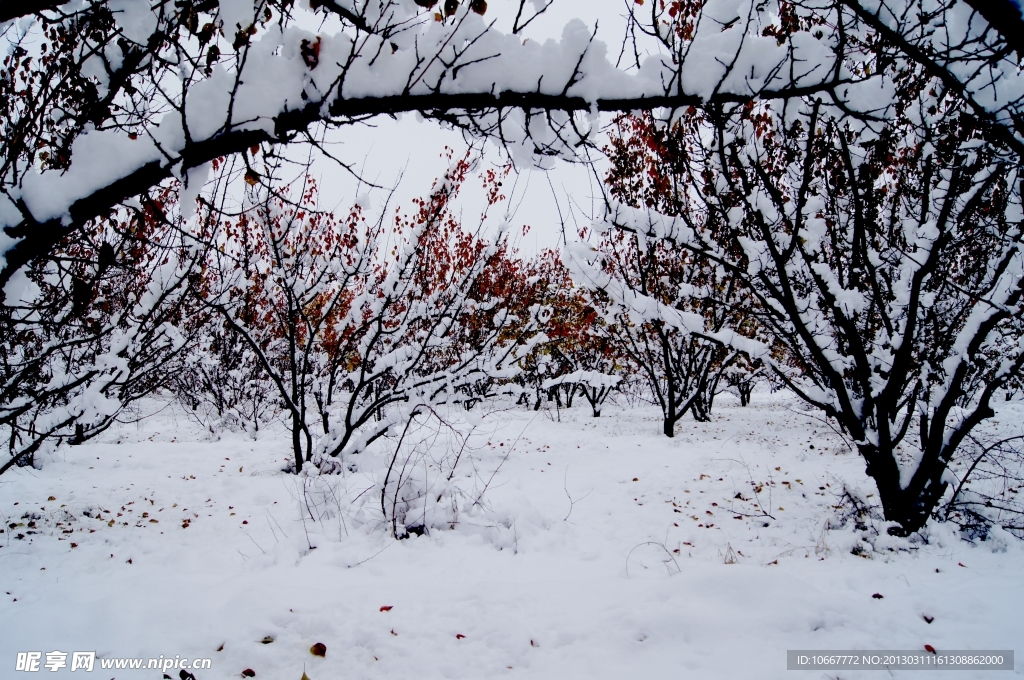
(297,442)
(909,507)
(670,423)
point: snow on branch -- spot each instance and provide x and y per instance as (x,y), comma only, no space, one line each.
(161,88)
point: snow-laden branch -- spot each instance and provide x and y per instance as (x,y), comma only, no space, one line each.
(179,92)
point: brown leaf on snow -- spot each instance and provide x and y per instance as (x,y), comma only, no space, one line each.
(248,673)
(319,649)
(927,619)
(877,596)
(459,636)
(387,608)
(267,640)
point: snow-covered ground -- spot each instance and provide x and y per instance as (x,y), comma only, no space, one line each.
(598,548)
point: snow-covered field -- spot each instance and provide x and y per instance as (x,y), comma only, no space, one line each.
(580,548)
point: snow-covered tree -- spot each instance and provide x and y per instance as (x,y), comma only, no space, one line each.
(105,101)
(100,100)
(356,323)
(582,348)
(674,314)
(680,318)
(884,256)
(95,326)
(434,324)
(284,278)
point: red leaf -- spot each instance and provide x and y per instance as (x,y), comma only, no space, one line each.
(930,649)
(248,673)
(386,608)
(319,649)
(459,636)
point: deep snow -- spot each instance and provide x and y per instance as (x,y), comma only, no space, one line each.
(600,549)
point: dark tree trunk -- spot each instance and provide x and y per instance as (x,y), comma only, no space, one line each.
(907,507)
(670,424)
(297,442)
(744,390)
